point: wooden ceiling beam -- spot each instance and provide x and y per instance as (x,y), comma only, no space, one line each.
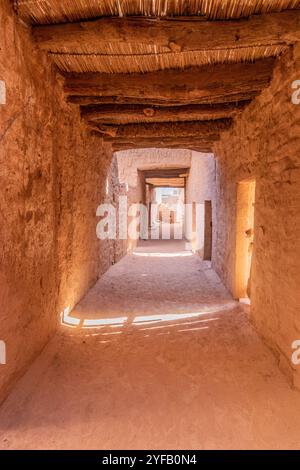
(174,35)
(126,114)
(189,86)
(228,98)
(198,144)
(198,129)
(205,145)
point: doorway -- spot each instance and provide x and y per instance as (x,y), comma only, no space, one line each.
(244,238)
(207,231)
(167,213)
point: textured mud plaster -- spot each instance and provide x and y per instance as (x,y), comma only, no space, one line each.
(51,180)
(111,251)
(265,145)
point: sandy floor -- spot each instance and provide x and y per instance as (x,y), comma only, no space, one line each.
(160,358)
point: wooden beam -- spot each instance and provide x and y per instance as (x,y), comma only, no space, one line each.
(198,129)
(126,114)
(166,173)
(205,145)
(174,35)
(175,182)
(199,146)
(157,175)
(167,177)
(228,98)
(193,85)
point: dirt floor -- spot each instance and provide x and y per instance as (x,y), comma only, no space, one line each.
(156,356)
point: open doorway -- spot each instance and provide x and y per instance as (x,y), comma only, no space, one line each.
(167,213)
(207,231)
(244,238)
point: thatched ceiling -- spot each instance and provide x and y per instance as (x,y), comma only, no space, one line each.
(130,62)
(57,11)
(135,57)
(161,62)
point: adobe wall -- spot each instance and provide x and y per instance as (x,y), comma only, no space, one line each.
(200,187)
(112,250)
(265,145)
(52,175)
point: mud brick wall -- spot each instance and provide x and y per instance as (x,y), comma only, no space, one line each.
(264,144)
(52,175)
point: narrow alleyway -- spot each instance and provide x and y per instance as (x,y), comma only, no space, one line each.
(157,355)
